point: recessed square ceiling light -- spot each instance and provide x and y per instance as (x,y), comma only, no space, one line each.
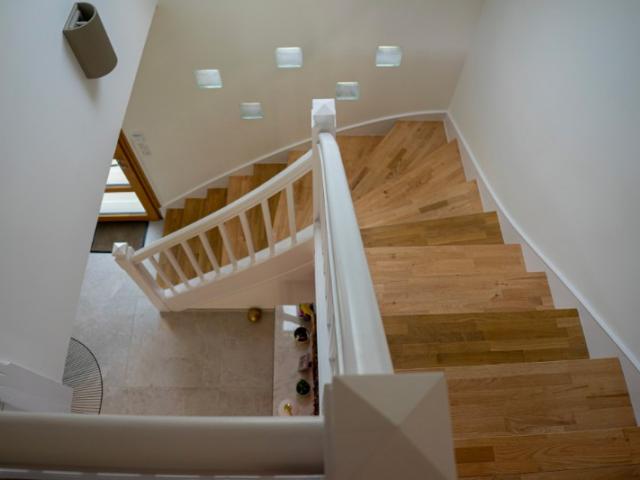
(347,91)
(251,111)
(208,78)
(388,56)
(289,57)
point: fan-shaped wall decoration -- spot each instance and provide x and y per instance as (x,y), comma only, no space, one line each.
(82,373)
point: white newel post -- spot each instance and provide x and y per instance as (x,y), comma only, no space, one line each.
(323,119)
(122,253)
(388,426)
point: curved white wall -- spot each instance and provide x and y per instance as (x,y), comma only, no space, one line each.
(549,102)
(58,131)
(195,135)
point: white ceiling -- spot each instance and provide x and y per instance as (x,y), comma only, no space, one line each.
(195,134)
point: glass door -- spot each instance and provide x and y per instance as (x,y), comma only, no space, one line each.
(127,195)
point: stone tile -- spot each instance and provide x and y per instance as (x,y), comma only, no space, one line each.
(202,401)
(165,350)
(245,401)
(185,363)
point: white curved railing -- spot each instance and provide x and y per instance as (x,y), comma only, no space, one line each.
(142,264)
(357,342)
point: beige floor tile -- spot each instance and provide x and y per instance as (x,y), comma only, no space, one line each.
(184,363)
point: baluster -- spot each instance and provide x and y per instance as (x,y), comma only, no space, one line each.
(163,275)
(210,255)
(192,259)
(292,214)
(246,230)
(227,245)
(266,216)
(174,263)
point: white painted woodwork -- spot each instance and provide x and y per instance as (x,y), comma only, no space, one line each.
(24,390)
(246,231)
(132,443)
(389,426)
(210,255)
(206,288)
(291,214)
(352,315)
(266,216)
(192,259)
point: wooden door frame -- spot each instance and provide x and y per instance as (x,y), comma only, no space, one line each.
(138,183)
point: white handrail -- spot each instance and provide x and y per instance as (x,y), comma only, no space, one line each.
(353,315)
(272,186)
(133,262)
(167,445)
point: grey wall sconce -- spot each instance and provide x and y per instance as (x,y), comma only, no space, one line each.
(89,41)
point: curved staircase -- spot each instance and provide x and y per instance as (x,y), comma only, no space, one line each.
(526,400)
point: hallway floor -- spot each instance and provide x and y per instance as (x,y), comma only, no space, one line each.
(191,363)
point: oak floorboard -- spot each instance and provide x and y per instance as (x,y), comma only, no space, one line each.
(474,229)
(555,452)
(421,342)
(407,142)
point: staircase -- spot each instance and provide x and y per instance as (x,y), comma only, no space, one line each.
(196,208)
(526,401)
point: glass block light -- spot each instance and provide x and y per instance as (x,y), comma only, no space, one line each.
(289,57)
(347,91)
(387,56)
(251,111)
(208,78)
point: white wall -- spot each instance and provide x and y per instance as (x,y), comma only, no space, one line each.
(549,103)
(58,132)
(194,135)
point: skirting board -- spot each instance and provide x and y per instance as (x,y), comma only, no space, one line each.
(602,341)
(376,126)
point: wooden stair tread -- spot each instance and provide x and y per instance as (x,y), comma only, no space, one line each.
(419,185)
(618,472)
(538,398)
(356,152)
(474,229)
(406,142)
(421,342)
(413,205)
(393,263)
(464,293)
(172,221)
(556,452)
(302,200)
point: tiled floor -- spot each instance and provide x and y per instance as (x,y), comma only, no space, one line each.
(192,363)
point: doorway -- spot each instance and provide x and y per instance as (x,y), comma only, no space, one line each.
(128,195)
